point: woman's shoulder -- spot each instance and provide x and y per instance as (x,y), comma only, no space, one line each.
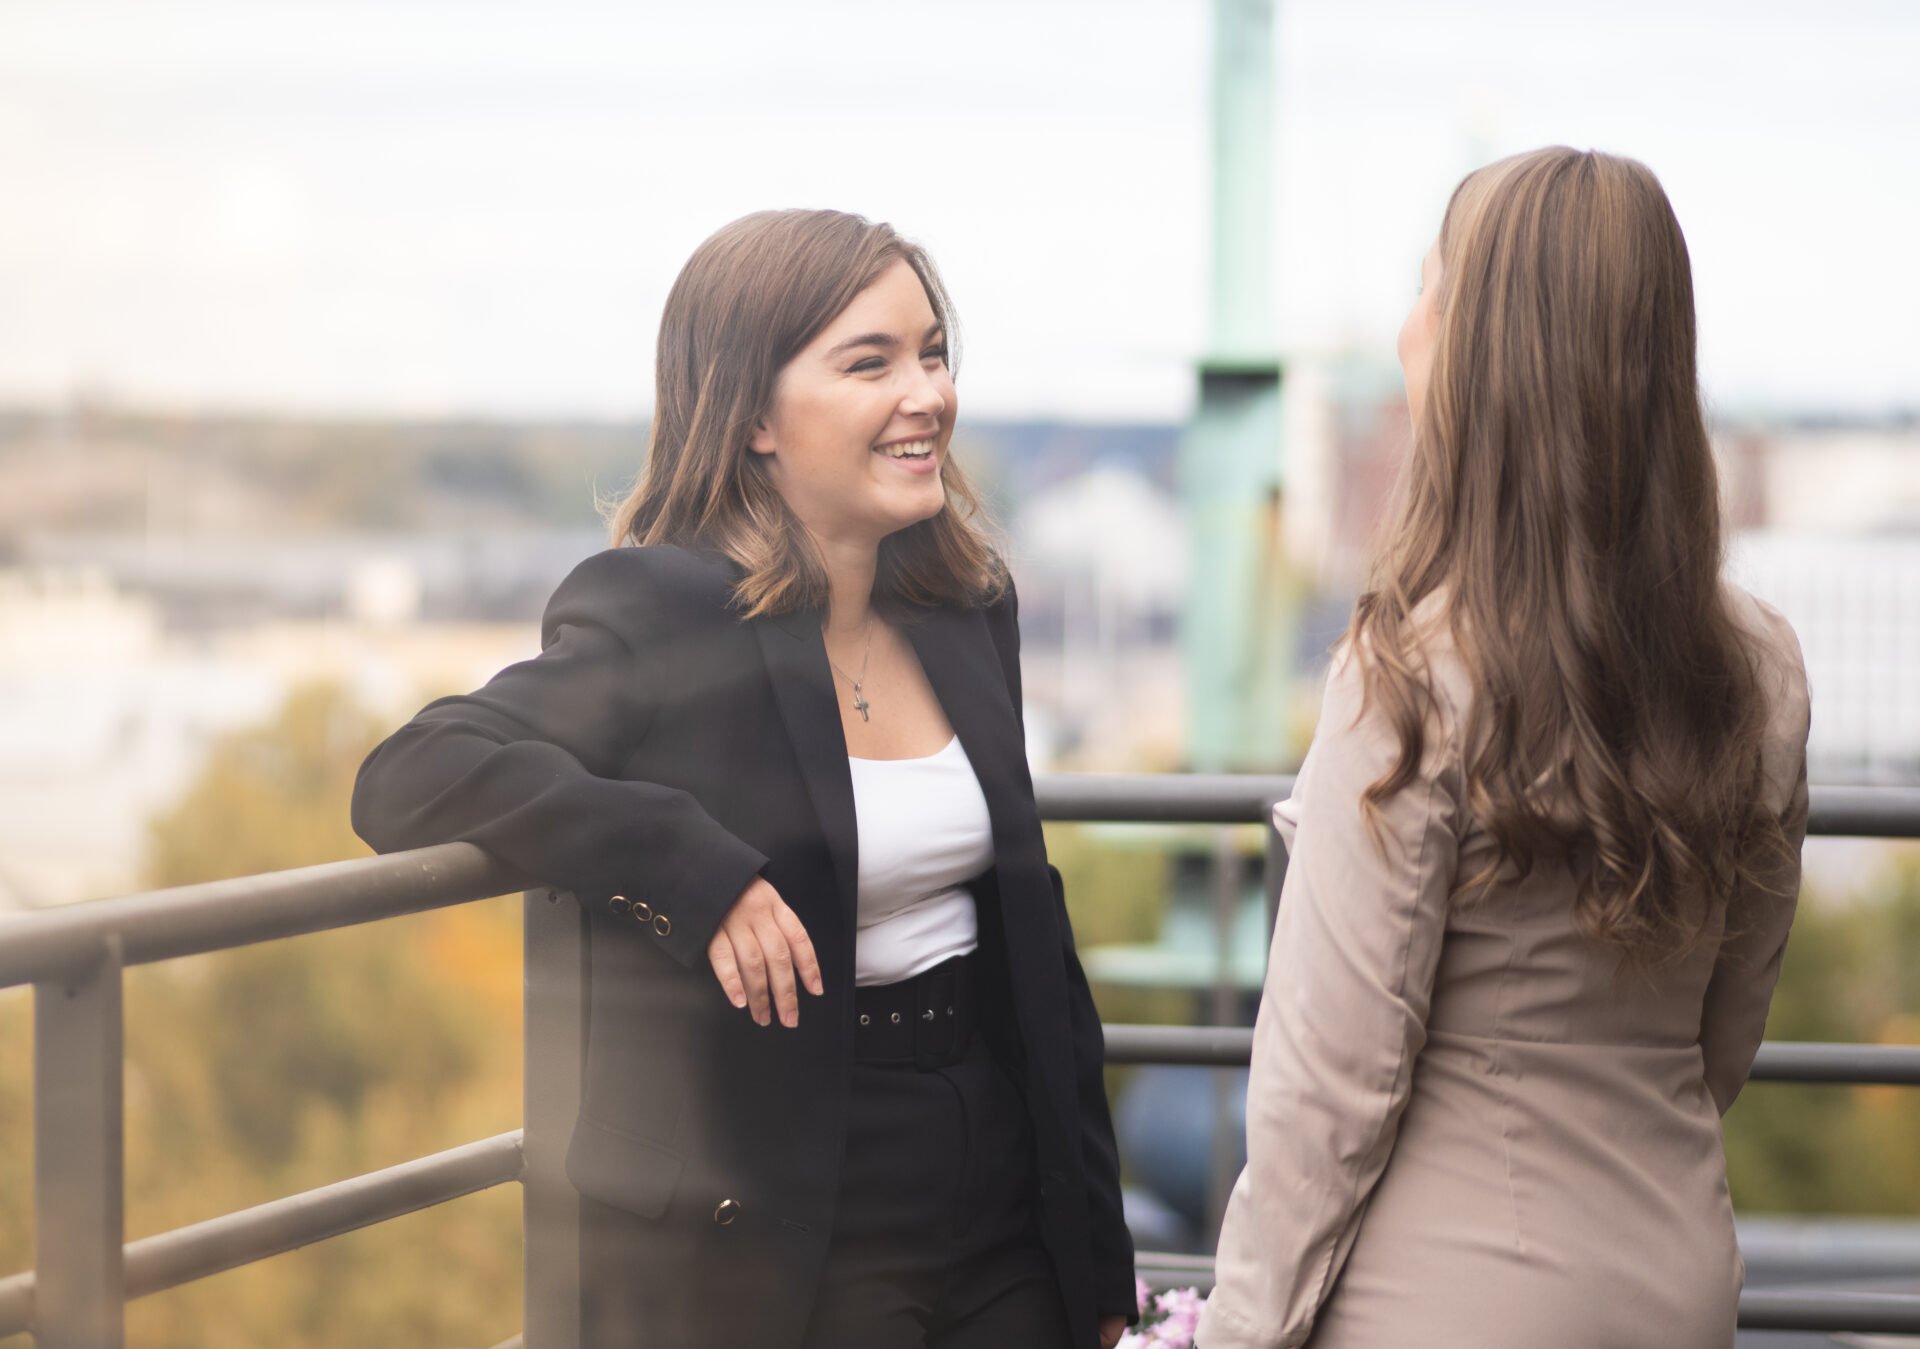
(1782,671)
(1771,639)
(629,589)
(658,565)
(1428,653)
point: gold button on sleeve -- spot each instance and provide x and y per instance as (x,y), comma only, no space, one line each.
(725,1214)
(618,904)
(663,925)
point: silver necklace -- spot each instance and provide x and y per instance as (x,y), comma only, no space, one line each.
(860,703)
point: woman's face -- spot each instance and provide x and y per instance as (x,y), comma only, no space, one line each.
(861,418)
(1418,332)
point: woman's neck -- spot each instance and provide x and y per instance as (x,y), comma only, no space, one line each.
(850,572)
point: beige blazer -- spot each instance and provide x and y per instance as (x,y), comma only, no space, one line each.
(1467,1125)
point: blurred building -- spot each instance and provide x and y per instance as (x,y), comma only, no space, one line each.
(1813,477)
(1829,517)
(1855,603)
(107,710)
(1102,564)
(134,631)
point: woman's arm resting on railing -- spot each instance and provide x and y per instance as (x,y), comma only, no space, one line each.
(523,768)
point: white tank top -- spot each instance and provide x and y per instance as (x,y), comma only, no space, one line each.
(924,832)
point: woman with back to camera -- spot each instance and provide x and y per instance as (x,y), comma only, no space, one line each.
(1545,845)
(773,746)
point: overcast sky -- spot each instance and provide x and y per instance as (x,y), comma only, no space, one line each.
(448,206)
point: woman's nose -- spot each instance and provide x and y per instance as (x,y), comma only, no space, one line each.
(922,395)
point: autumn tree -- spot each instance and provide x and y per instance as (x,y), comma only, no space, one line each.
(260,1072)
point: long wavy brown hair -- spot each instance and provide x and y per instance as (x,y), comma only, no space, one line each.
(1562,502)
(747,302)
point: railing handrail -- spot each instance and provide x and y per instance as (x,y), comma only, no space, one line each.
(194,919)
(200,1250)
(1794,1308)
(77,954)
(1840,810)
(219,915)
(1827,1062)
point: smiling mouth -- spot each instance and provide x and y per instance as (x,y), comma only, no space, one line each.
(911,449)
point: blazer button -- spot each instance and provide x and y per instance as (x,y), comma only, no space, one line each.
(643,910)
(729,1210)
(663,925)
(618,904)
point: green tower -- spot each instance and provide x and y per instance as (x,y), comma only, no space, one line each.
(1239,615)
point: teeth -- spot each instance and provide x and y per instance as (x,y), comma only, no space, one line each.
(916,449)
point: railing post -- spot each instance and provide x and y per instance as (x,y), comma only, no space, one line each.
(555,1030)
(1224,1011)
(79,1158)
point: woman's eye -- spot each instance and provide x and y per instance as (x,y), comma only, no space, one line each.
(861,367)
(935,354)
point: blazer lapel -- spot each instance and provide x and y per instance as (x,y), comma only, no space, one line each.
(796,660)
(957,652)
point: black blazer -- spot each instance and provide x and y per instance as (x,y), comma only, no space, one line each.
(656,756)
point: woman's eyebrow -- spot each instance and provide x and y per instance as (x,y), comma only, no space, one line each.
(885,341)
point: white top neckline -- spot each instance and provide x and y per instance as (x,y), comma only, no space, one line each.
(916,758)
(924,832)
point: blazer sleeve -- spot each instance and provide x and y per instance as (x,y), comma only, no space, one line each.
(1113,1271)
(1342,1017)
(1733,1015)
(527,766)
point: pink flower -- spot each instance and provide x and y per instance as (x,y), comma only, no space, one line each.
(1168,1321)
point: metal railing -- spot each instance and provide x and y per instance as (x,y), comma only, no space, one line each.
(74,957)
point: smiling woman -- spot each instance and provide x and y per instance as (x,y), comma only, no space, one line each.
(773,745)
(784,330)
(860,422)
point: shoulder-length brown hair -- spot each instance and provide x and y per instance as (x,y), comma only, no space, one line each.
(750,299)
(1561,497)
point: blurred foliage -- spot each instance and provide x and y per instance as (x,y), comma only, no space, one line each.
(1117,885)
(1852,972)
(258,1073)
(270,797)
(16,1137)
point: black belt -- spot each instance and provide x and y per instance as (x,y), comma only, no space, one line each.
(924,1021)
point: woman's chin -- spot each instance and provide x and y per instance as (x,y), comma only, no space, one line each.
(908,517)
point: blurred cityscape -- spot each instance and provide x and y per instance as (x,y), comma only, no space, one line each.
(166,580)
(205,621)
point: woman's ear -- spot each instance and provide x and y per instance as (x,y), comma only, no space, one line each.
(761,441)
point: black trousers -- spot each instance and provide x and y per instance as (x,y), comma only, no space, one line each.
(935,1244)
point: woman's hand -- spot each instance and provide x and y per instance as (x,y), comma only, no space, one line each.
(1111,1328)
(759,953)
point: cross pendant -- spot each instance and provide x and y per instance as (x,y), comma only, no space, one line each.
(860,704)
